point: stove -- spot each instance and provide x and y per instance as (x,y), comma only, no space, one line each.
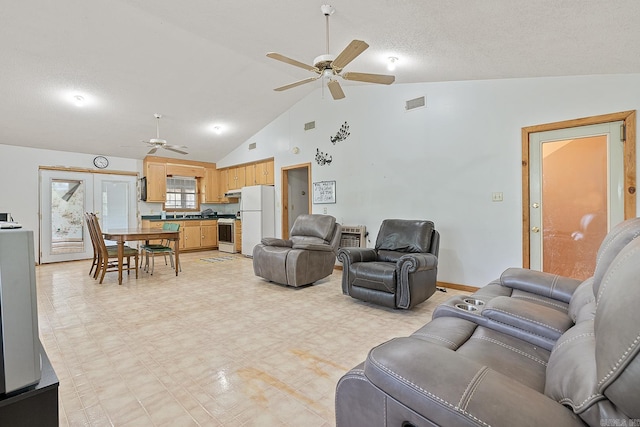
(227,235)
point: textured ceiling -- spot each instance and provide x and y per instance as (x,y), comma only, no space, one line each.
(202,62)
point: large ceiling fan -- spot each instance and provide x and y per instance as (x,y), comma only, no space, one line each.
(157,142)
(330,66)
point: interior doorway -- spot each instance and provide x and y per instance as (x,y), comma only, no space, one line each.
(296,187)
(578,182)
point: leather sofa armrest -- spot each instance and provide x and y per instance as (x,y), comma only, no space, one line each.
(408,265)
(351,255)
(537,282)
(449,389)
(274,241)
(417,262)
(528,317)
(313,247)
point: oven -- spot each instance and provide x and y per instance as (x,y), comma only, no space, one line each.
(226,235)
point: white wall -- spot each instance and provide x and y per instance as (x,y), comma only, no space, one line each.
(441,162)
(19,192)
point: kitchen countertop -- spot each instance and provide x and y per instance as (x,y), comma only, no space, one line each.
(194,217)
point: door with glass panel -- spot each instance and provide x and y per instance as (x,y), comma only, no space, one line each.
(576,196)
(66,196)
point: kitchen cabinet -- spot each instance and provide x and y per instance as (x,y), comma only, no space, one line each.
(236,177)
(191,233)
(208,234)
(260,173)
(264,172)
(223,185)
(210,190)
(156,174)
(238,236)
(194,234)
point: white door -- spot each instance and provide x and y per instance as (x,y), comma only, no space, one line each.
(576,196)
(115,200)
(66,196)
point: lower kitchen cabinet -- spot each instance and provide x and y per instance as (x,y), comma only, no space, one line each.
(208,234)
(194,234)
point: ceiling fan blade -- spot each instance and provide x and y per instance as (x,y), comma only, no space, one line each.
(369,78)
(298,83)
(351,52)
(293,62)
(153,150)
(174,149)
(335,89)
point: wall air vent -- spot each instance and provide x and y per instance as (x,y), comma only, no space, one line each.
(414,103)
(252,146)
(310,125)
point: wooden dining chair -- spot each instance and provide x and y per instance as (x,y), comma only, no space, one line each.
(164,248)
(106,253)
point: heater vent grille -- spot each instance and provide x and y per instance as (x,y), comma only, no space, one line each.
(414,103)
(252,146)
(310,125)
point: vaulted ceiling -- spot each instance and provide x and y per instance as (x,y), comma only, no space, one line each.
(202,63)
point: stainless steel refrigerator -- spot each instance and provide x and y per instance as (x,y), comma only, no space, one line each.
(257,212)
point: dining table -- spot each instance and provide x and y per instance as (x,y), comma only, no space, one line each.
(122,235)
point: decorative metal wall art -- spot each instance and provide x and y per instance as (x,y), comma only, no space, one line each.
(323,158)
(341,135)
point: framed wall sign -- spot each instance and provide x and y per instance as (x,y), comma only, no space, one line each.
(324,192)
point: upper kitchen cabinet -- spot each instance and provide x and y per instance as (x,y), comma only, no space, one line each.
(264,173)
(156,174)
(260,173)
(210,190)
(236,177)
(223,185)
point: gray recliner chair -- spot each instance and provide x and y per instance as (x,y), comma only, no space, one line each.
(400,271)
(309,255)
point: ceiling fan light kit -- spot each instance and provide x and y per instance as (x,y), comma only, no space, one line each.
(329,66)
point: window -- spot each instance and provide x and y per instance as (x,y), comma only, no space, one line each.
(181,193)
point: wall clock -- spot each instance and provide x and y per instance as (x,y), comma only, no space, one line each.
(101,162)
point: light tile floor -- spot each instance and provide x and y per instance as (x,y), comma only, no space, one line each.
(215,346)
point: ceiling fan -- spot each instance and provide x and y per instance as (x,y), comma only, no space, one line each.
(330,66)
(156,142)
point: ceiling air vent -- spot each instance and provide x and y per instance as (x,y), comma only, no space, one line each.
(414,103)
(252,146)
(310,125)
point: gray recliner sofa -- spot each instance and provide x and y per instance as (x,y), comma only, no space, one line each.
(309,255)
(462,369)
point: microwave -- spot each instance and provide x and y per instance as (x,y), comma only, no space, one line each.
(5,217)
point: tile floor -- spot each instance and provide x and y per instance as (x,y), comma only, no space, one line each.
(215,346)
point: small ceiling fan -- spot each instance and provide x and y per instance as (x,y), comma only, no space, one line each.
(156,142)
(330,66)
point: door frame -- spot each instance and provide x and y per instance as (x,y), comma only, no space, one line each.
(285,193)
(629,119)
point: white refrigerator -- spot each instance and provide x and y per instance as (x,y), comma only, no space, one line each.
(258,215)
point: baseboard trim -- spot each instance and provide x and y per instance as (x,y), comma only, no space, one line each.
(441,284)
(458,287)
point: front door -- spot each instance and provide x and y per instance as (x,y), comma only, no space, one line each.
(576,195)
(64,198)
